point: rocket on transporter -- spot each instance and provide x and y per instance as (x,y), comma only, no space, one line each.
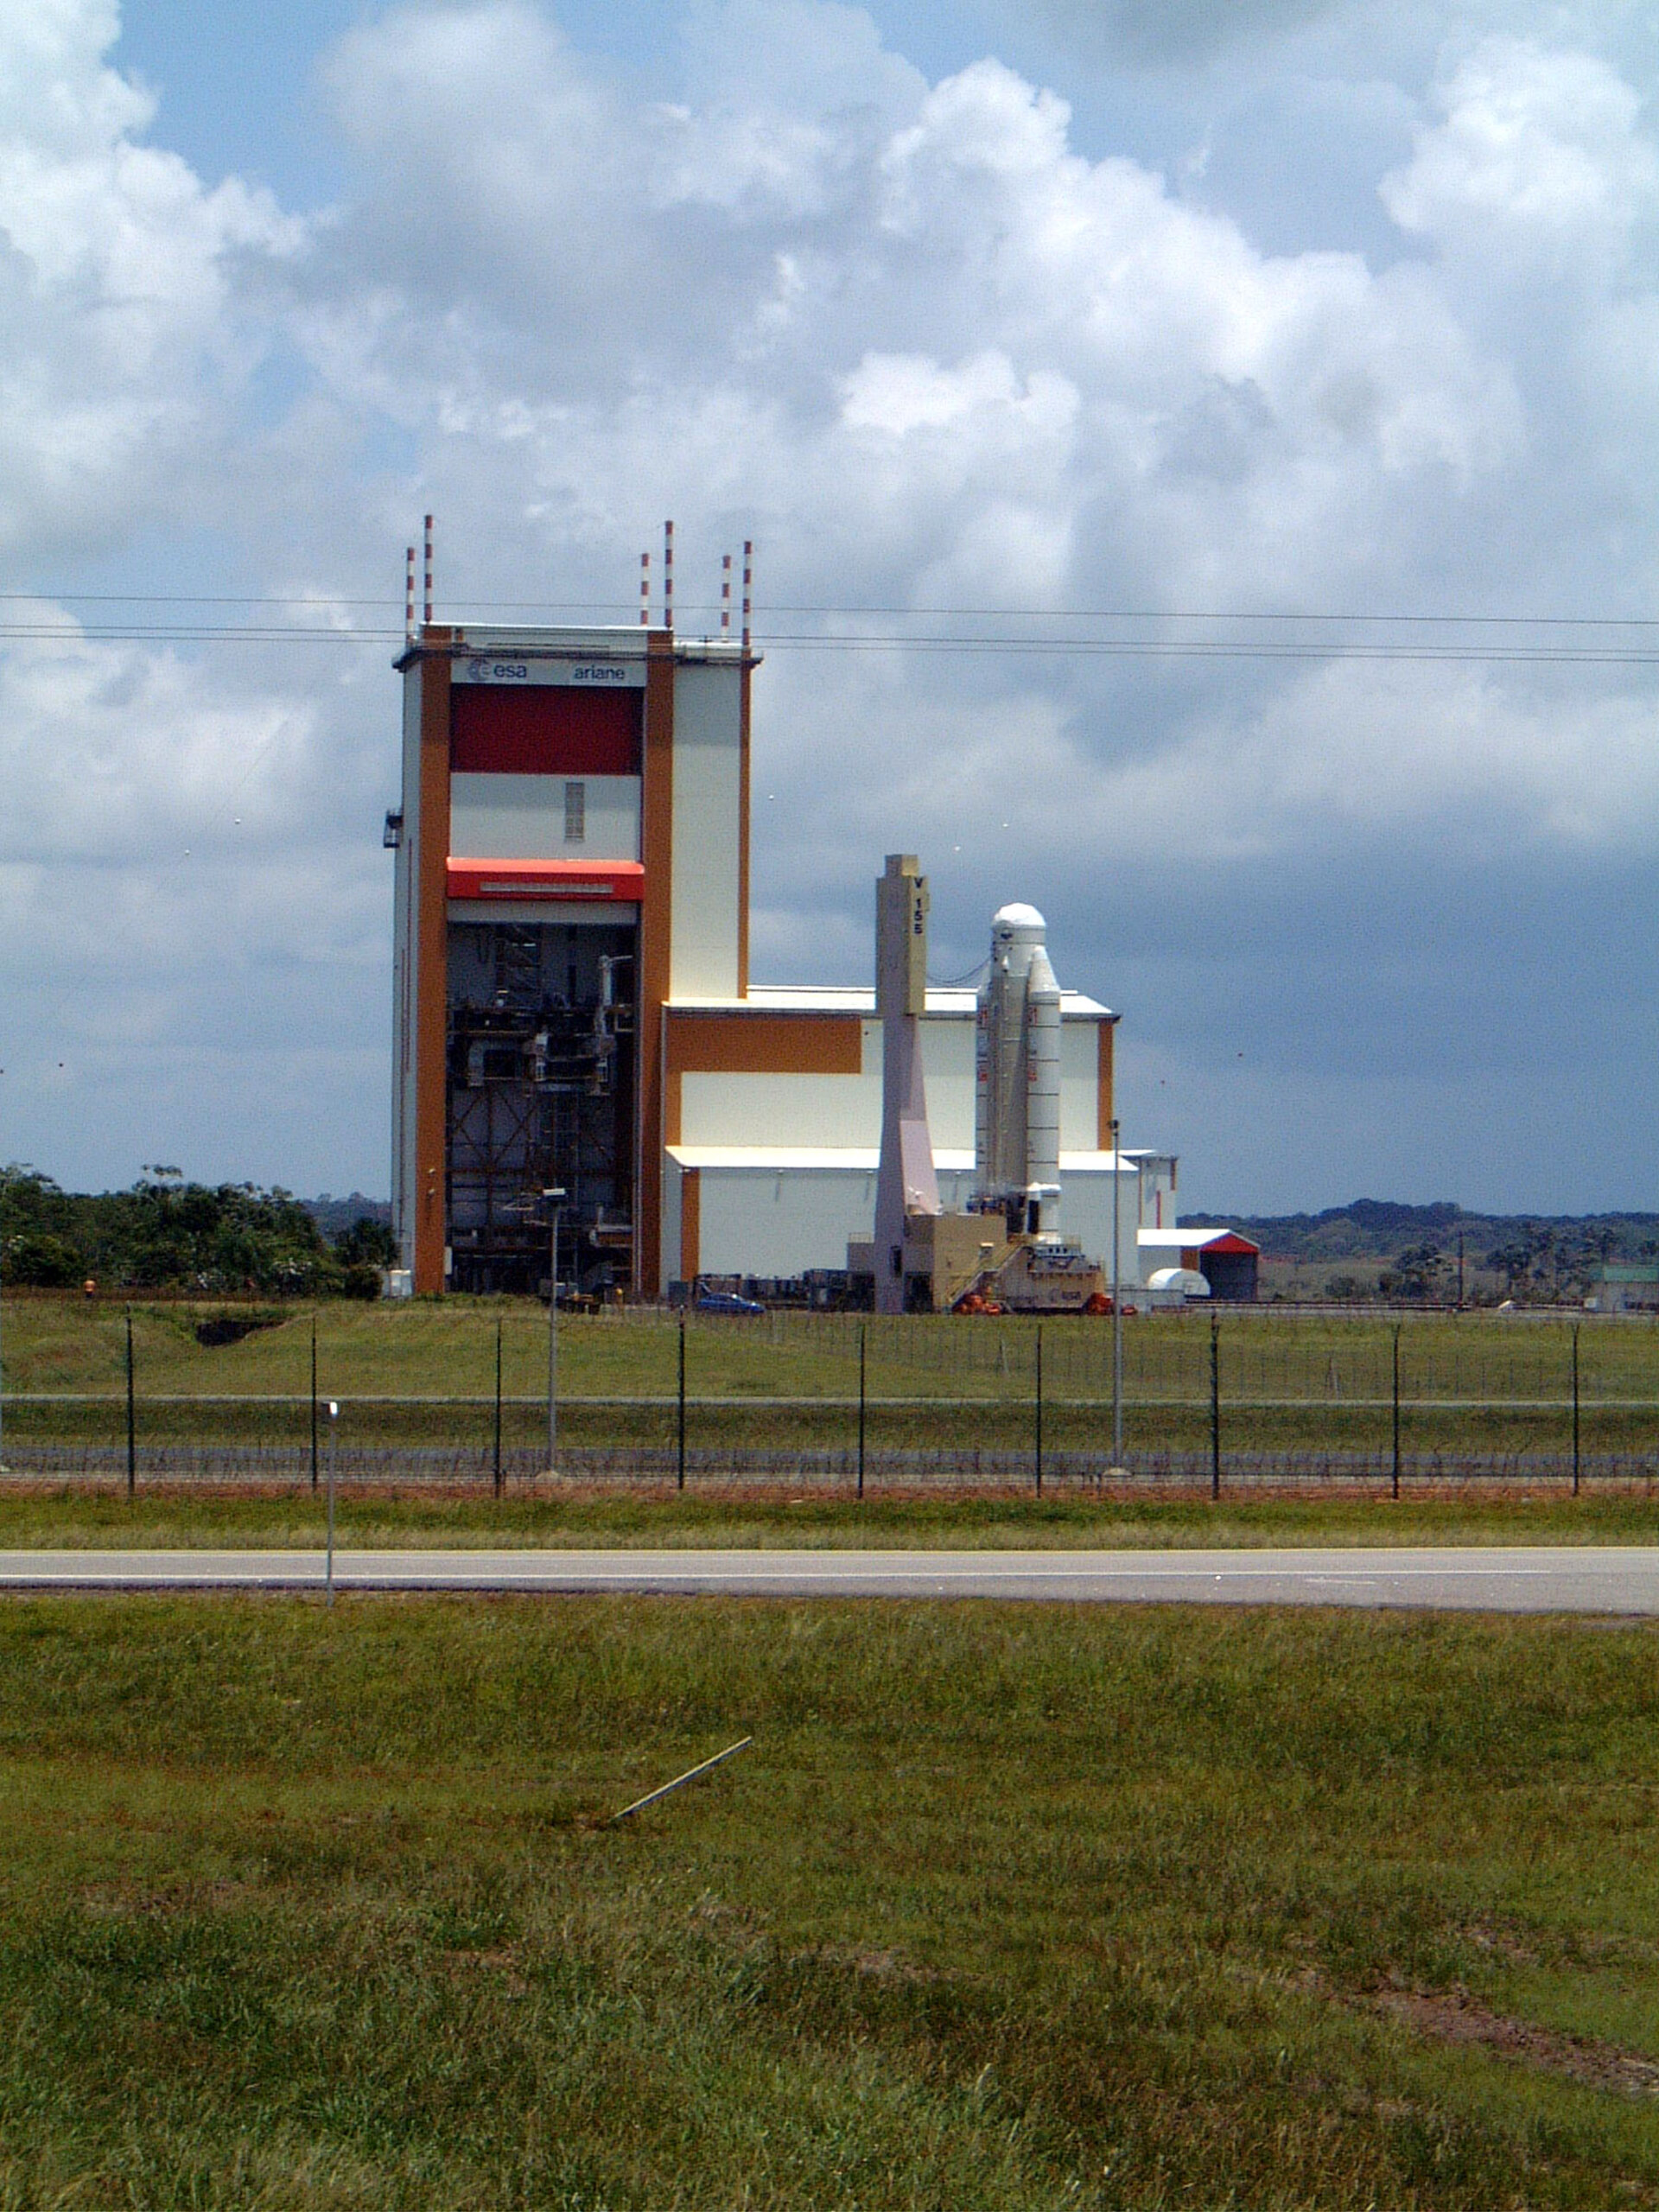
(1017,1079)
(1004,1252)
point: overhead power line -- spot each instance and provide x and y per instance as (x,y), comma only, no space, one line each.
(1264,649)
(943,613)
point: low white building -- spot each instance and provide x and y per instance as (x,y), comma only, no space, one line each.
(774,1115)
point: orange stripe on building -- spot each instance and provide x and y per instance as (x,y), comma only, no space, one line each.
(1105,1109)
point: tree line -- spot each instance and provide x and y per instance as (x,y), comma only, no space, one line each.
(168,1234)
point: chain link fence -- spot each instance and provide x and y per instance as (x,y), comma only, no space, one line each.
(1240,1399)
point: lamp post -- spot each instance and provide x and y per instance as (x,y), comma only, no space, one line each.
(334,1423)
(553,1200)
(1117,1309)
(3,1379)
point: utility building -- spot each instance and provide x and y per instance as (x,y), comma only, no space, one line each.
(573,1002)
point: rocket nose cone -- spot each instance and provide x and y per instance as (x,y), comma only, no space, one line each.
(1018,920)
(1041,980)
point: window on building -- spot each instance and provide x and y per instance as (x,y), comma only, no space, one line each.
(575,813)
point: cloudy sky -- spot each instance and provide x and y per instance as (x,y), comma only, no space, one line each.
(1201,457)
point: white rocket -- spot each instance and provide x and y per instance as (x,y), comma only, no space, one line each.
(1017,1077)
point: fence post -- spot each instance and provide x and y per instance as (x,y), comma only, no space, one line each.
(1394,1489)
(861,1409)
(496,1465)
(679,1481)
(1575,1409)
(1039,1409)
(1215,1405)
(132,1419)
(313,1402)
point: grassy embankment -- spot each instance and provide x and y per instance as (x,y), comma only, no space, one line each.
(70,1515)
(1004,1908)
(425,1373)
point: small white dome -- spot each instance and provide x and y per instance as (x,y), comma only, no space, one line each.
(1018,919)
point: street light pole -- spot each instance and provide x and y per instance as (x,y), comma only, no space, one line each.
(333,1424)
(1117,1309)
(554,1200)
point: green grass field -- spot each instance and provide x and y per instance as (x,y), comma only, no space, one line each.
(73,1515)
(424,1376)
(1004,1908)
(445,1349)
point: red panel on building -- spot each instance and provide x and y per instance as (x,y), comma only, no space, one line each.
(544,729)
(481,879)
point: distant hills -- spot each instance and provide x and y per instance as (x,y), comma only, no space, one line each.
(1378,1229)
(333,1216)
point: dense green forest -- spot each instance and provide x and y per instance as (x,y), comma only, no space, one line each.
(166,1233)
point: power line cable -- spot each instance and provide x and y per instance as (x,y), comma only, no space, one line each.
(1609,655)
(954,613)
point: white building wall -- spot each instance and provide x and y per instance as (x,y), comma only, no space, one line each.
(405,979)
(673,1176)
(1086,1210)
(948,1070)
(779,1222)
(1079,1085)
(708,705)
(781,1111)
(778,1111)
(522,819)
(1158,1198)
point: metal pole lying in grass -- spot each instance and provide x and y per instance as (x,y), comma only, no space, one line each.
(1575,1409)
(861,1409)
(497,1470)
(1394,1487)
(679,1480)
(680,1780)
(1215,1407)
(1039,1409)
(334,1421)
(132,1420)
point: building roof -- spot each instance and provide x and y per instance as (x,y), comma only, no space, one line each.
(1194,1240)
(780,1159)
(564,641)
(831,998)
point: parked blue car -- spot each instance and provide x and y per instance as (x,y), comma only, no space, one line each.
(727,1301)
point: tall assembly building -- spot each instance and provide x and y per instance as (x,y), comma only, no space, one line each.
(574,1009)
(572,855)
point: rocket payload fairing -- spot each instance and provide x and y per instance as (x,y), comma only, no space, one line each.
(1017,1077)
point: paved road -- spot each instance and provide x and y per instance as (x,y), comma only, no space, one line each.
(1521,1579)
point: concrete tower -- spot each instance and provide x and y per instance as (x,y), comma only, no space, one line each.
(905,1182)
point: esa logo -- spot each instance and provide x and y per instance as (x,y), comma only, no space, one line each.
(500,671)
